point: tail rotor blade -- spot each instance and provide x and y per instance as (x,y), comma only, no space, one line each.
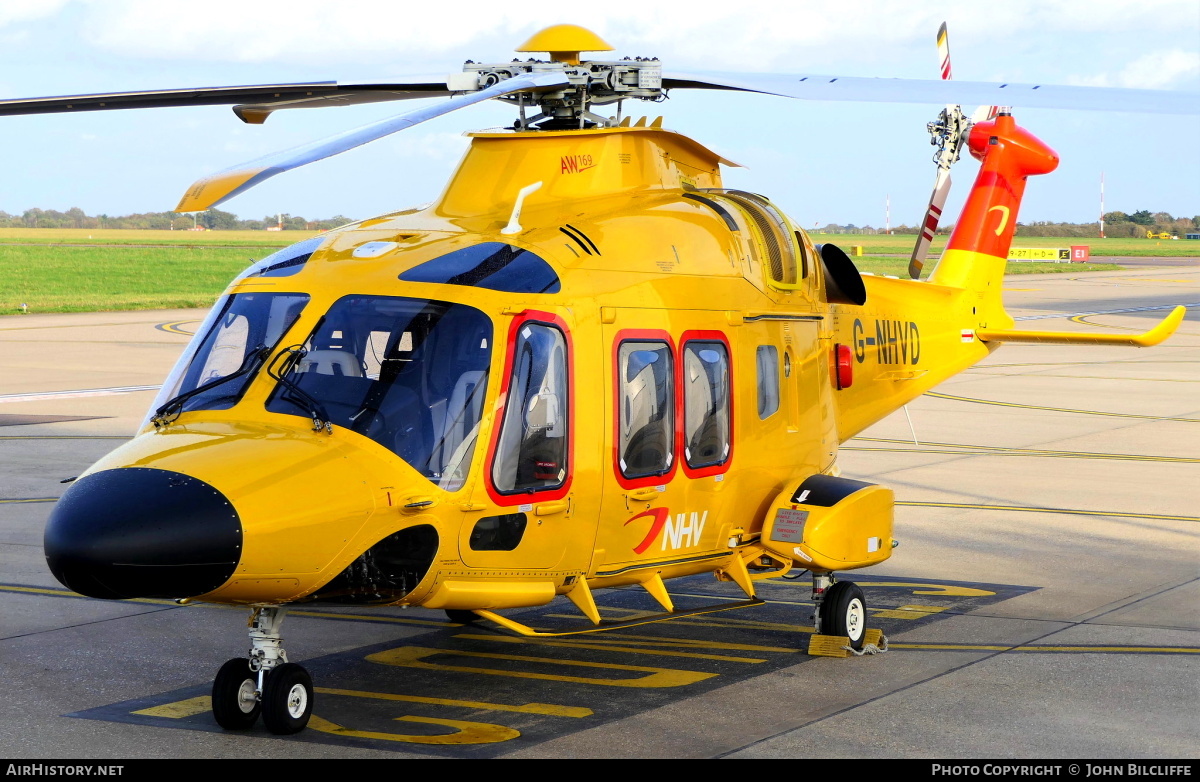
(933,215)
(218,188)
(943,46)
(949,134)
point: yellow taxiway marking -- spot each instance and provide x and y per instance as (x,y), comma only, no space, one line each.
(365,618)
(1079,363)
(414,657)
(1059,409)
(990,450)
(1067,511)
(78,325)
(931,589)
(1057,649)
(726,623)
(1019,452)
(179,709)
(465,732)
(173,327)
(628,648)
(309,614)
(548,709)
(19,500)
(909,612)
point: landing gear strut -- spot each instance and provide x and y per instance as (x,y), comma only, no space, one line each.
(264,683)
(841,608)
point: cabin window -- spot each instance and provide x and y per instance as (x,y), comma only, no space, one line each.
(492,265)
(705,403)
(237,325)
(498,533)
(533,446)
(410,374)
(287,261)
(767,359)
(647,408)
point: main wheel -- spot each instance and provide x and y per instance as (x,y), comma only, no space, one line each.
(287,699)
(461,616)
(235,703)
(844,612)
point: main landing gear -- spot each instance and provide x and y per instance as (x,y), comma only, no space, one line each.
(841,609)
(265,683)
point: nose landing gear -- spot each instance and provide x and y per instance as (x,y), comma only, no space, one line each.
(264,683)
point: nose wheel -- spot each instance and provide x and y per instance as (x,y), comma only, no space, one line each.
(265,683)
(841,610)
(287,699)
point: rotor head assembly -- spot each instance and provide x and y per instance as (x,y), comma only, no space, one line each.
(589,83)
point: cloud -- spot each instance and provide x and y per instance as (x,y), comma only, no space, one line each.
(1156,70)
(748,35)
(16,11)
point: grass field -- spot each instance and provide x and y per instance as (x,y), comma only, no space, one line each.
(66,270)
(115,236)
(89,279)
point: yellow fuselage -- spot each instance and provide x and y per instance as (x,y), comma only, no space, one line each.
(626,219)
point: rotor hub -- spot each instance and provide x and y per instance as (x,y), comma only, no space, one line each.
(590,83)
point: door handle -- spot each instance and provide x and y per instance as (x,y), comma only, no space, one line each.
(645,493)
(549,508)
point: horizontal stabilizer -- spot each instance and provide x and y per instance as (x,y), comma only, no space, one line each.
(1147,339)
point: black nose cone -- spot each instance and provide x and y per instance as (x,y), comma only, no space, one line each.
(141,532)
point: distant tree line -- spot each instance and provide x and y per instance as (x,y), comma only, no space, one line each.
(1116,224)
(213,220)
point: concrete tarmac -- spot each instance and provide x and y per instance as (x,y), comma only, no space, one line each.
(1044,601)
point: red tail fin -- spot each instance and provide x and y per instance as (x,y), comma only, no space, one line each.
(1010,154)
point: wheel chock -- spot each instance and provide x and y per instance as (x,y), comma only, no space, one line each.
(829,645)
(839,645)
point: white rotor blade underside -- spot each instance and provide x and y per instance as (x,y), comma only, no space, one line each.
(934,92)
(220,187)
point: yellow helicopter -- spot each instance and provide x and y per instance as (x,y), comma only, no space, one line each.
(588,364)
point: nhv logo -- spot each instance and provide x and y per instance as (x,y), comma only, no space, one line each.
(681,531)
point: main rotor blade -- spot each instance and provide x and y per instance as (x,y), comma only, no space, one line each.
(261,98)
(1030,96)
(220,187)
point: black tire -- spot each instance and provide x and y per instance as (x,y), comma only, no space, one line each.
(462,616)
(844,612)
(235,704)
(287,699)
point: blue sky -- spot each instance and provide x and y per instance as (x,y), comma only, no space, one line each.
(822,162)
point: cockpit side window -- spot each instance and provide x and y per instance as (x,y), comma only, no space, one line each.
(533,449)
(411,374)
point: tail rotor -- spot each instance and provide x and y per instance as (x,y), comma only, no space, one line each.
(949,134)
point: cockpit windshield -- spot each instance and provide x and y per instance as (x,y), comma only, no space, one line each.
(411,374)
(237,326)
